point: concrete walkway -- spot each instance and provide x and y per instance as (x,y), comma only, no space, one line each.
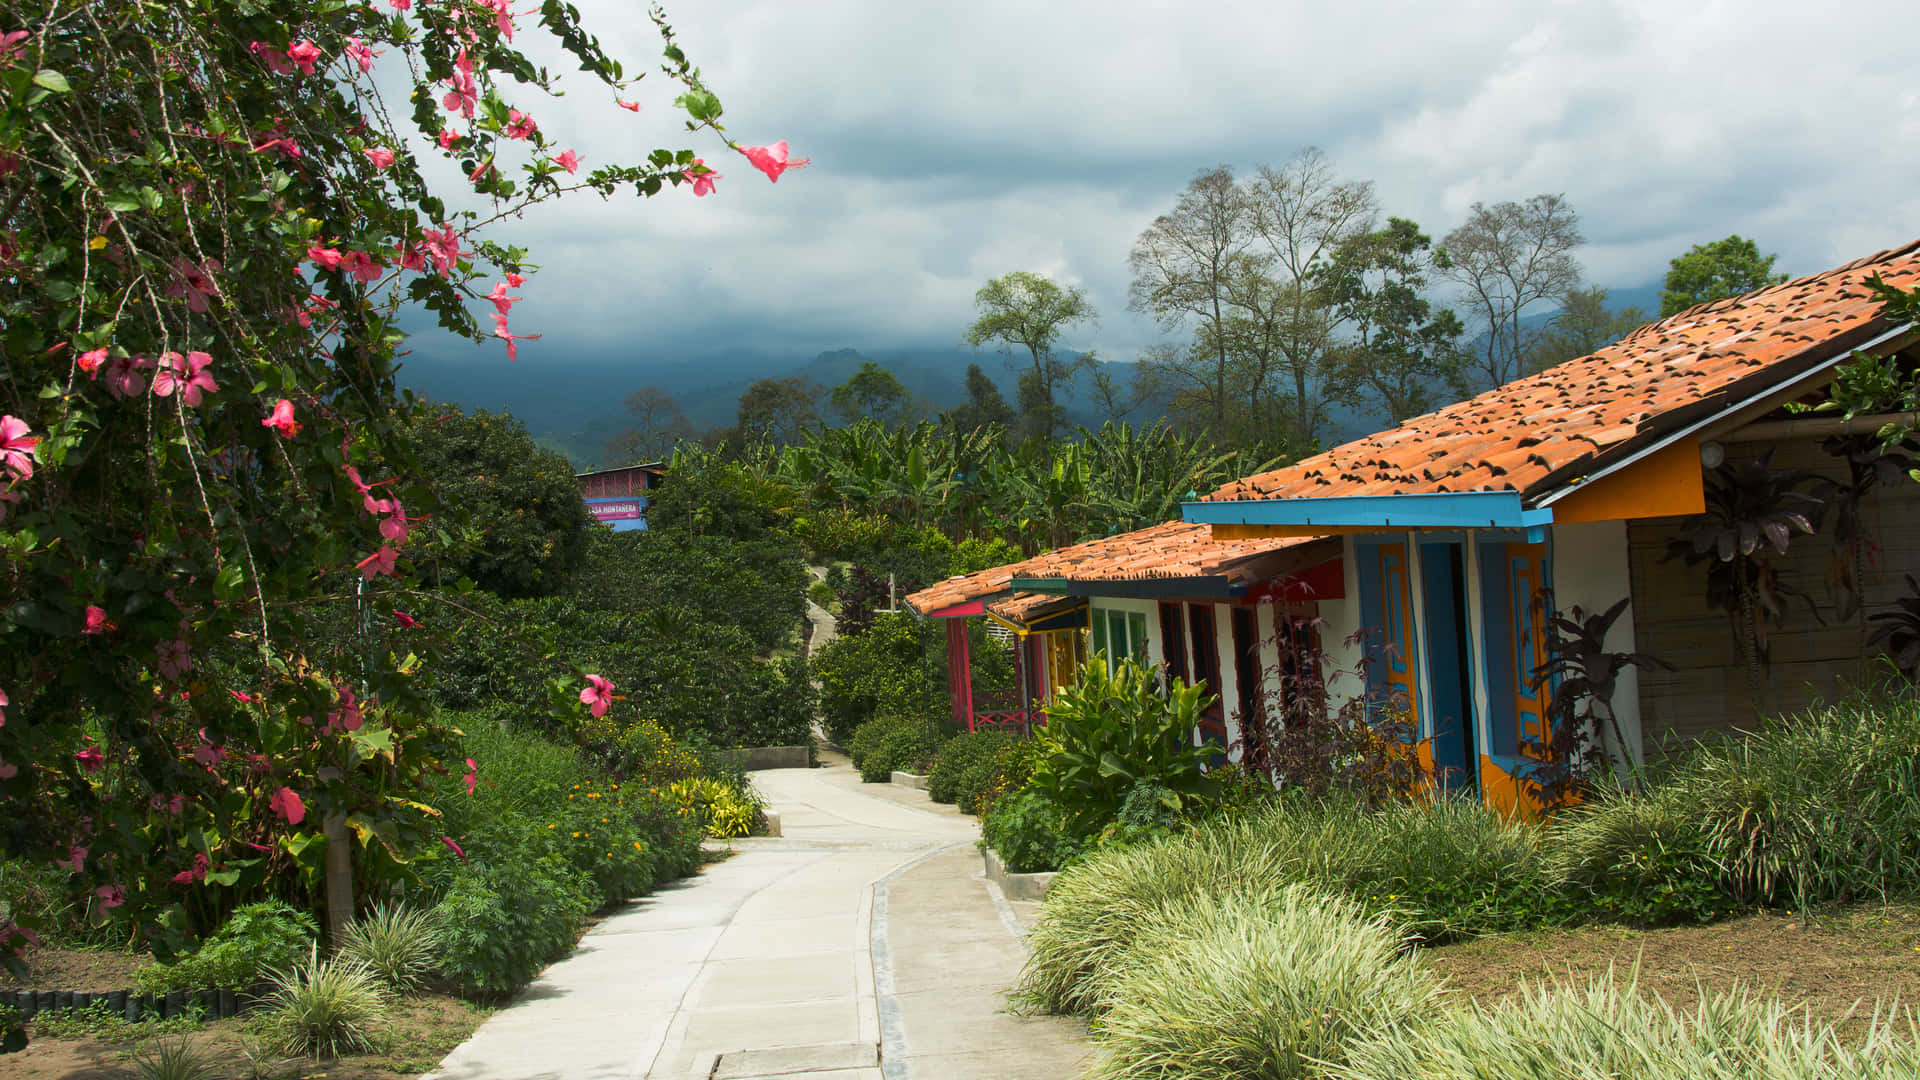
(861,944)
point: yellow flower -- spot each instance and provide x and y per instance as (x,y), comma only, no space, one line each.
(549,826)
(576,836)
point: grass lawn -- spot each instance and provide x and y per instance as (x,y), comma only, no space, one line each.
(1839,963)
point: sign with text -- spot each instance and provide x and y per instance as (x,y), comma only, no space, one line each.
(616,510)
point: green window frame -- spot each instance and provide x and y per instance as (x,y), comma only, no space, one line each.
(1121,635)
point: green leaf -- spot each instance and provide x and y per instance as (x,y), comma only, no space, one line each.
(227,585)
(1110,765)
(52,80)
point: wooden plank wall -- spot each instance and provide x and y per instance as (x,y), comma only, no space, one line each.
(1710,690)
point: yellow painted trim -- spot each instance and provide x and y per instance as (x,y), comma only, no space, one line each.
(1667,484)
(1009,624)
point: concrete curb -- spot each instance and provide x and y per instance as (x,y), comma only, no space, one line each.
(910,780)
(1016,886)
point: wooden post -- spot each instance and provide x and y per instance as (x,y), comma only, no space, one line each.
(339,877)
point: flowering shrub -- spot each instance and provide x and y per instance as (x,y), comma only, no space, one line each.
(217,221)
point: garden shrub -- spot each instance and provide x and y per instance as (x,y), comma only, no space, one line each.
(1149,812)
(505,923)
(889,744)
(721,809)
(1611,1029)
(545,838)
(1032,833)
(893,669)
(1012,768)
(1816,808)
(255,939)
(1104,733)
(966,767)
(1256,982)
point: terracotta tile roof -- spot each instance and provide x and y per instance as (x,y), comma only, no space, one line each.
(1025,607)
(1534,433)
(1171,549)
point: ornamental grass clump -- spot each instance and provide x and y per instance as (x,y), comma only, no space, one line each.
(325,1007)
(400,944)
(1822,807)
(1609,1030)
(1256,983)
(1097,908)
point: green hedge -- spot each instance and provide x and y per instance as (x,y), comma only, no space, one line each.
(966,768)
(890,744)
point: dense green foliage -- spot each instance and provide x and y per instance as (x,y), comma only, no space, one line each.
(521,503)
(1716,270)
(893,669)
(1811,810)
(966,768)
(1105,733)
(544,839)
(895,743)
(1031,833)
(682,626)
(255,940)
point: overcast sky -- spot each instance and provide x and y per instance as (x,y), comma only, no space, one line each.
(955,142)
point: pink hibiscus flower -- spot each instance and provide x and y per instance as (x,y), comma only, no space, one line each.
(598,696)
(568,160)
(772,160)
(287,804)
(187,374)
(16,446)
(282,420)
(701,177)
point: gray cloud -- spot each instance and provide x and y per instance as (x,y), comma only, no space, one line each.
(952,143)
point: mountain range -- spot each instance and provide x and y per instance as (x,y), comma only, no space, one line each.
(575,408)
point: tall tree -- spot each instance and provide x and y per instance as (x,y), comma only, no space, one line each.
(1402,351)
(1303,214)
(873,392)
(657,424)
(1713,271)
(1509,258)
(1181,263)
(1583,326)
(778,410)
(984,405)
(1029,310)
(529,526)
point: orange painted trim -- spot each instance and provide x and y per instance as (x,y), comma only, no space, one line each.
(1262,532)
(1666,484)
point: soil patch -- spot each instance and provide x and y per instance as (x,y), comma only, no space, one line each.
(1838,964)
(87,970)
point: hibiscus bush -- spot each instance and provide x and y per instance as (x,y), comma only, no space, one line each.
(217,218)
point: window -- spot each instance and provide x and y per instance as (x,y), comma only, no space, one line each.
(1121,635)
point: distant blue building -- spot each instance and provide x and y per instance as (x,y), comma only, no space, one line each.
(617,498)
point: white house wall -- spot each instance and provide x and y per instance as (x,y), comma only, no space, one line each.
(1342,654)
(1591,570)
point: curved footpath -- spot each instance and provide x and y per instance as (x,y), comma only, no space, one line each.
(861,944)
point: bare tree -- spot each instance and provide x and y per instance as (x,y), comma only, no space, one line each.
(658,423)
(1509,257)
(1180,266)
(1303,214)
